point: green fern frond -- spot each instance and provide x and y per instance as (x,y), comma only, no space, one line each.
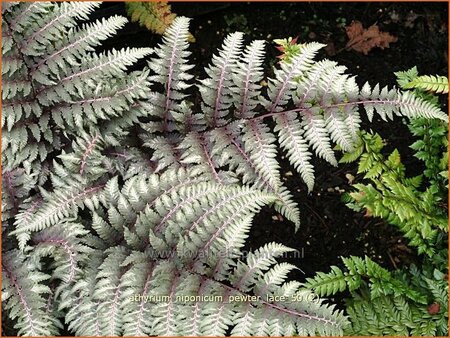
(357,270)
(435,84)
(390,316)
(398,199)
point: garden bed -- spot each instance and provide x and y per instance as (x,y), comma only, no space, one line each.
(328,228)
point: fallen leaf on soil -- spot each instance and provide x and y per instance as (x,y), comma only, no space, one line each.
(363,40)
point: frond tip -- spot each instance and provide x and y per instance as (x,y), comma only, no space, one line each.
(436,84)
(388,103)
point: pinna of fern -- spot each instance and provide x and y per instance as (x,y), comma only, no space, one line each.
(432,144)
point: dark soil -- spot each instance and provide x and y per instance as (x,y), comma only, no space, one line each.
(329,229)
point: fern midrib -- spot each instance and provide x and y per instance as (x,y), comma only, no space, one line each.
(245,156)
(336,105)
(43,216)
(324,282)
(69,251)
(87,153)
(224,297)
(312,84)
(29,212)
(246,274)
(90,70)
(282,90)
(169,316)
(90,34)
(248,120)
(88,312)
(287,126)
(60,16)
(245,320)
(57,107)
(225,66)
(110,60)
(114,310)
(220,228)
(108,98)
(174,52)
(248,75)
(218,231)
(196,316)
(17,102)
(184,183)
(265,160)
(211,165)
(264,324)
(138,330)
(182,203)
(23,301)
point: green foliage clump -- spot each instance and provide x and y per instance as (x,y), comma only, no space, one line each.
(417,210)
(416,205)
(404,302)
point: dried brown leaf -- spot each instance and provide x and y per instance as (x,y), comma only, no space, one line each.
(434,308)
(363,40)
